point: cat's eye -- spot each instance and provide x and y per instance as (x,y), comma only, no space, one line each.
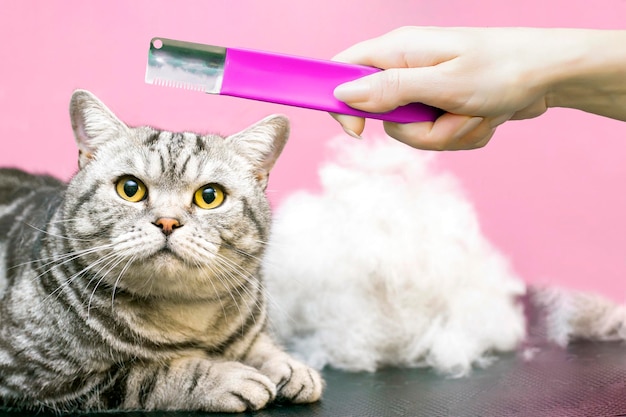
(131,189)
(209,197)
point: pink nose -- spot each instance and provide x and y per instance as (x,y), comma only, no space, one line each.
(167,225)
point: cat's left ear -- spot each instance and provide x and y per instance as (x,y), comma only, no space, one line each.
(93,124)
(262,143)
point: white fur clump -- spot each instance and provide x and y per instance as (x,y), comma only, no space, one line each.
(571,315)
(388,266)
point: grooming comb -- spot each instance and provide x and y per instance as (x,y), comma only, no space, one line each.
(265,76)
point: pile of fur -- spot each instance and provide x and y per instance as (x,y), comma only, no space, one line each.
(387,266)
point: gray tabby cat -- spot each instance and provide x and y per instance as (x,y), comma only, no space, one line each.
(136,286)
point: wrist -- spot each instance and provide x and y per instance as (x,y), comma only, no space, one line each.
(590,72)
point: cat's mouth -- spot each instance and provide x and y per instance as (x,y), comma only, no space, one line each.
(167,253)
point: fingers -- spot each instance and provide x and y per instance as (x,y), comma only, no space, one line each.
(416,67)
(448,132)
(423,65)
(405,47)
(353,126)
(386,90)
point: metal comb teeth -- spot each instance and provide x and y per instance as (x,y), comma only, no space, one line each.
(185,65)
(162,82)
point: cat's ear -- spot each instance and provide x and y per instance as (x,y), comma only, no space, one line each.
(262,143)
(93,124)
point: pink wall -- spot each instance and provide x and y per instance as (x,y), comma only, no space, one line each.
(549,191)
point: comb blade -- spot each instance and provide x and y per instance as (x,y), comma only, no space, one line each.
(185,65)
(163,82)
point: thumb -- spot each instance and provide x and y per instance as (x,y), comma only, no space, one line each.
(386,90)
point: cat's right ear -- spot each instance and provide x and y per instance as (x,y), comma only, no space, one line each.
(262,144)
(93,124)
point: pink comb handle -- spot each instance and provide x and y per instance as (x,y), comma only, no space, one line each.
(304,82)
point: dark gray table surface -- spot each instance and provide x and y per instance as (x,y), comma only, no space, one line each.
(585,379)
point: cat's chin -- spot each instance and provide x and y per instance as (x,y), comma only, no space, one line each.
(167,262)
(166,255)
(162,274)
(170,270)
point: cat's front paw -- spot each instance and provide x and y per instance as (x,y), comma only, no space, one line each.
(239,388)
(295,382)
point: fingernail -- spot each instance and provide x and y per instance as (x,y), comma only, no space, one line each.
(352,133)
(353,91)
(470,125)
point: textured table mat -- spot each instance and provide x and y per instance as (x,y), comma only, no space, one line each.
(586,379)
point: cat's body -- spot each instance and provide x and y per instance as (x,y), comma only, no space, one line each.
(137,285)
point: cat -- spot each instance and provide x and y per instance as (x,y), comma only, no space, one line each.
(136,286)
(387,265)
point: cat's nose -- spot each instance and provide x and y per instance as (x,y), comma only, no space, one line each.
(167,225)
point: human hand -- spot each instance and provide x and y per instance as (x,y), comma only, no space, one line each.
(480,77)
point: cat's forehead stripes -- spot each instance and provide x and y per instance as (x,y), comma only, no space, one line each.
(174,154)
(173,142)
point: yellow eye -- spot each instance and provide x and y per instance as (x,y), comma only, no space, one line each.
(131,189)
(209,197)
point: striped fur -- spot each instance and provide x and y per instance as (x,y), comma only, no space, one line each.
(103,309)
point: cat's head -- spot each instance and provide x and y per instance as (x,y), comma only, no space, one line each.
(159,213)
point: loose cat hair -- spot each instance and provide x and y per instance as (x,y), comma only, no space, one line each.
(136,286)
(387,265)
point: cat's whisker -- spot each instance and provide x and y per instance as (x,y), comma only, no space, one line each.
(242,252)
(102,260)
(261,261)
(212,272)
(47,233)
(221,277)
(234,272)
(119,277)
(144,289)
(59,261)
(230,265)
(47,260)
(62,221)
(270,299)
(112,261)
(66,258)
(67,282)
(83,271)
(247,275)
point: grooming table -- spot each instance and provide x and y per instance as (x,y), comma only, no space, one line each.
(539,380)
(586,379)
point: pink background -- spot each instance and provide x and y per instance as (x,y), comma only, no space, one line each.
(549,191)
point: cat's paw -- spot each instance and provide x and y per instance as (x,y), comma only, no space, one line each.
(295,382)
(236,388)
